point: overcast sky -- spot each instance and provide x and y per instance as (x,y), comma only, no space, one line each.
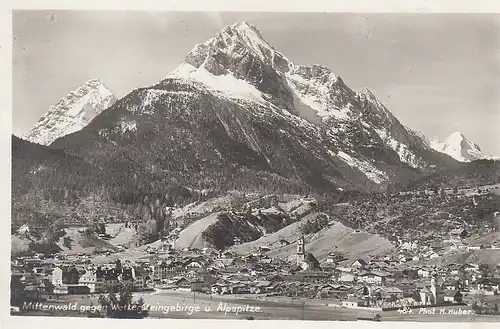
(438,73)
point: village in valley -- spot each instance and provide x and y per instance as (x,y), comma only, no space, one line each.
(222,180)
(406,278)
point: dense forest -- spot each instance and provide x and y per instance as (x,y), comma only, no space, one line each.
(417,216)
(467,175)
(51,188)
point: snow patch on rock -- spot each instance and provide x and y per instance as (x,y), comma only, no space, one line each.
(72,113)
(225,84)
(370,171)
(404,153)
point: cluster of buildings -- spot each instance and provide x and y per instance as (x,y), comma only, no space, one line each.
(378,282)
(454,242)
(55,278)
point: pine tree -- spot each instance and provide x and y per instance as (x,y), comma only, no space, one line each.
(118,266)
(123,307)
(436,190)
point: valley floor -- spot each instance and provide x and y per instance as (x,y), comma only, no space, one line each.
(263,308)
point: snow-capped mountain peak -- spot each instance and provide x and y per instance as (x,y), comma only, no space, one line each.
(367,93)
(458,147)
(238,63)
(72,113)
(235,42)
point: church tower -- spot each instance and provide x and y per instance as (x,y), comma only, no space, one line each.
(301,250)
(436,291)
(433,290)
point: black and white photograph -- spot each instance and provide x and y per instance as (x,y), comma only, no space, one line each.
(225,165)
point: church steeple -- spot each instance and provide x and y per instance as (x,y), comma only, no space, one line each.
(301,250)
(436,290)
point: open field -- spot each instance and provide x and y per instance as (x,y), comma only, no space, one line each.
(202,306)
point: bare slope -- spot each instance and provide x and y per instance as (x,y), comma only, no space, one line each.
(82,243)
(191,236)
(121,235)
(352,244)
(288,233)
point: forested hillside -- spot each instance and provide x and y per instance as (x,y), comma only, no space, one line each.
(467,175)
(421,217)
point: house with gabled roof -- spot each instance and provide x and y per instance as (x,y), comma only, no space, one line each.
(451,284)
(260,287)
(373,277)
(283,242)
(57,276)
(347,277)
(488,284)
(407,284)
(134,275)
(192,263)
(335,257)
(394,291)
(352,302)
(423,272)
(239,288)
(453,296)
(89,279)
(182,283)
(458,234)
(70,275)
(220,287)
(359,263)
(469,267)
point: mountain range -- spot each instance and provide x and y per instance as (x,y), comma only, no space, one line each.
(239,114)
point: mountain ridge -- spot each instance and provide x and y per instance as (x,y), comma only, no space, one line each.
(460,148)
(239,107)
(329,103)
(71,113)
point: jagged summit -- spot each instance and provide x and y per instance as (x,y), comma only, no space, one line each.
(240,63)
(72,113)
(95,83)
(245,28)
(367,92)
(456,136)
(459,147)
(237,41)
(318,72)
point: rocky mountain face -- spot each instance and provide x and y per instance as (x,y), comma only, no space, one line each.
(362,125)
(458,147)
(71,113)
(239,113)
